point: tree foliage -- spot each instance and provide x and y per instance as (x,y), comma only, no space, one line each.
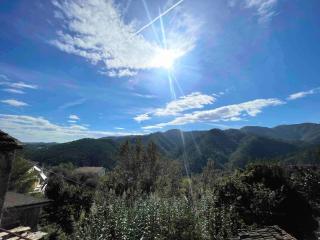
(147,196)
(71,197)
(22,178)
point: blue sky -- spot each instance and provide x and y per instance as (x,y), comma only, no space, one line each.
(71,69)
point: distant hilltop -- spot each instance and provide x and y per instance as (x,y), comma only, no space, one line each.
(296,143)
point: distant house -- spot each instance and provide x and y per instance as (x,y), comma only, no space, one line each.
(268,233)
(41,183)
(22,210)
(16,209)
(96,171)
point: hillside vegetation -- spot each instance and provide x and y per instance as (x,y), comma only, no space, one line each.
(228,148)
(146,196)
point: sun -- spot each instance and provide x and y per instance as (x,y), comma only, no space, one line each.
(165,58)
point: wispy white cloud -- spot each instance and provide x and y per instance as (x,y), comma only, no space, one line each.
(121,73)
(233,112)
(192,101)
(303,94)
(73,103)
(97,31)
(142,117)
(144,95)
(23,85)
(4,77)
(19,85)
(195,100)
(12,90)
(265,9)
(119,128)
(14,103)
(74,117)
(72,121)
(78,127)
(38,129)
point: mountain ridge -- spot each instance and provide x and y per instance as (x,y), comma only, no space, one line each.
(230,147)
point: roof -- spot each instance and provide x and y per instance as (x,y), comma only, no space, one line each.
(21,232)
(94,170)
(267,233)
(15,200)
(8,143)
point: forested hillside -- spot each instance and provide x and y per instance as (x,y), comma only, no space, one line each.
(228,148)
(84,152)
(305,132)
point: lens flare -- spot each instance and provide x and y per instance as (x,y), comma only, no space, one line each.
(165,58)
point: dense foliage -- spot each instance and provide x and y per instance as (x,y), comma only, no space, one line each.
(71,195)
(149,197)
(84,152)
(156,218)
(304,132)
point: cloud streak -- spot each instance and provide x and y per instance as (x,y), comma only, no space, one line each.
(12,90)
(303,94)
(38,129)
(18,85)
(149,96)
(265,9)
(14,103)
(192,101)
(74,117)
(195,100)
(142,117)
(22,85)
(233,112)
(73,103)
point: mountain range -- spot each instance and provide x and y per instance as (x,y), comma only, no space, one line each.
(297,143)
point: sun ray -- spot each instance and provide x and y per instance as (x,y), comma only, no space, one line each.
(164,37)
(171,84)
(182,93)
(166,57)
(159,16)
(150,19)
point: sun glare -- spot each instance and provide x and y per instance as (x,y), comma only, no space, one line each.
(165,58)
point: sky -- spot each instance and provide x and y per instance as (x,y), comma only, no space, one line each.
(72,69)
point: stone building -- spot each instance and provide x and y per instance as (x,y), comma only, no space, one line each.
(15,209)
(8,147)
(94,171)
(22,210)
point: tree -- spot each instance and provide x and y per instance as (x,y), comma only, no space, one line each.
(69,200)
(23,177)
(137,169)
(264,195)
(208,174)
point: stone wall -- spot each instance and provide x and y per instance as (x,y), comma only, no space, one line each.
(6,159)
(22,216)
